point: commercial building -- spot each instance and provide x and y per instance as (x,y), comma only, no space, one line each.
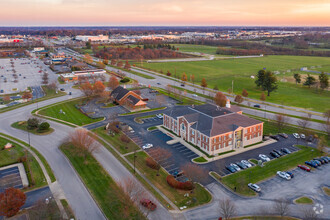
(212,129)
(128,99)
(92,38)
(75,75)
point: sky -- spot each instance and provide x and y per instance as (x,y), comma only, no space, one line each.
(165,12)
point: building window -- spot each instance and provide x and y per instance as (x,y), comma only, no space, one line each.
(182,127)
(192,132)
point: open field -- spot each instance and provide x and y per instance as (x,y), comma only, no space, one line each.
(72,114)
(196,48)
(257,173)
(101,185)
(33,170)
(223,72)
(176,196)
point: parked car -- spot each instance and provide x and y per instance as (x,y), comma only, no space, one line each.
(158,83)
(235,167)
(290,173)
(70,93)
(147,146)
(311,164)
(310,138)
(296,135)
(254,187)
(148,204)
(194,95)
(242,165)
(274,154)
(246,163)
(283,175)
(62,89)
(286,150)
(177,173)
(159,116)
(302,136)
(264,157)
(320,160)
(317,162)
(283,135)
(303,167)
(182,85)
(231,169)
(278,152)
(275,137)
(257,106)
(326,159)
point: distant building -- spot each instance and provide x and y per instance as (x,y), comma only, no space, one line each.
(92,38)
(128,99)
(214,130)
(37,49)
(74,76)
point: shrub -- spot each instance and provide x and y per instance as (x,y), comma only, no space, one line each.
(44,126)
(125,80)
(32,123)
(152,163)
(179,185)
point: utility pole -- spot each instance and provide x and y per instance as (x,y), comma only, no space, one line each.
(232,86)
(134,160)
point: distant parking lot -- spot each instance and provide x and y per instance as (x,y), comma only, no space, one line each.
(28,73)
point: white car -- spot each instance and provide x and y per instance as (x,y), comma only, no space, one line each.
(159,116)
(254,187)
(296,135)
(284,175)
(264,157)
(302,136)
(235,167)
(246,163)
(147,146)
(194,95)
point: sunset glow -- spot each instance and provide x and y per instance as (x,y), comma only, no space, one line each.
(162,12)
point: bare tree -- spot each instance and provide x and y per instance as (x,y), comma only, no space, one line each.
(159,155)
(280,121)
(45,78)
(83,143)
(194,172)
(227,208)
(304,122)
(326,126)
(281,207)
(309,213)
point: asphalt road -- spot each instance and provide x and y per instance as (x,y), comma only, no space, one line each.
(77,195)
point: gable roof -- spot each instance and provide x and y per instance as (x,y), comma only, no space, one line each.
(133,99)
(119,92)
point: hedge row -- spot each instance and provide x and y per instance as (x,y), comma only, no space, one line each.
(179,185)
(152,163)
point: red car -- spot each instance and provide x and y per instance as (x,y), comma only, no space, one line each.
(303,167)
(148,204)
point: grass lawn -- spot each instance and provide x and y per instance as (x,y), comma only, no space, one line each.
(33,170)
(176,196)
(223,72)
(103,188)
(116,142)
(326,190)
(67,208)
(22,125)
(196,48)
(200,160)
(72,114)
(304,200)
(257,173)
(152,128)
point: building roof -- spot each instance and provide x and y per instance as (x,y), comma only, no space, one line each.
(211,110)
(133,99)
(119,92)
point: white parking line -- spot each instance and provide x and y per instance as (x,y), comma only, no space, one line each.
(184,150)
(191,156)
(172,169)
(171,165)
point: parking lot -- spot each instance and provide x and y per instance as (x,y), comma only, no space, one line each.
(28,73)
(10,178)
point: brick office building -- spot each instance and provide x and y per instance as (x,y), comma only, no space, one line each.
(213,129)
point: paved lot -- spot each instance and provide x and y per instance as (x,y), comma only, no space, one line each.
(10,178)
(27,71)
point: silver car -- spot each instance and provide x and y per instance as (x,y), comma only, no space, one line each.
(284,175)
(254,187)
(246,163)
(235,167)
(264,157)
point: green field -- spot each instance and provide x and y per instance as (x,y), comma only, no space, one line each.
(196,48)
(304,200)
(72,114)
(101,185)
(33,170)
(257,173)
(223,72)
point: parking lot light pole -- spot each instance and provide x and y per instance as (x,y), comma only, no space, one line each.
(134,160)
